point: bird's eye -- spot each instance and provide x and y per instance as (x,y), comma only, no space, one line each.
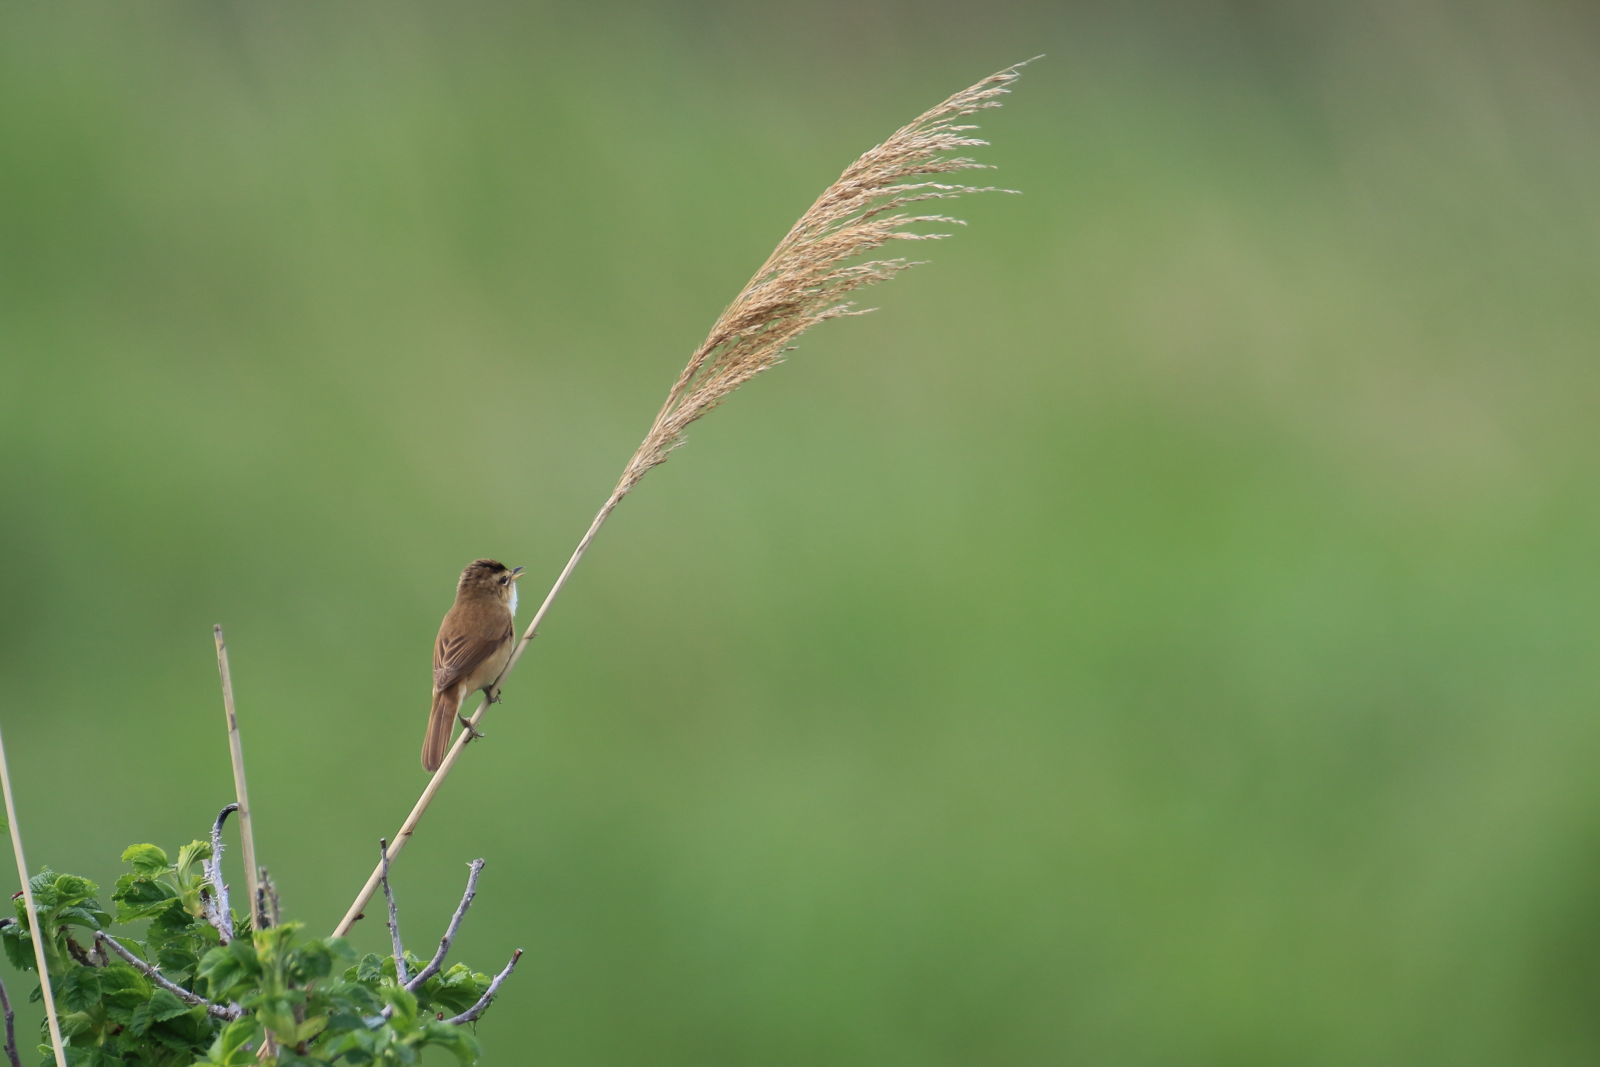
(505,581)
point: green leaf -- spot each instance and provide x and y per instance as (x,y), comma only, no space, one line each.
(346,996)
(457,989)
(79,988)
(239,1033)
(140,1021)
(310,1028)
(277,1015)
(243,950)
(146,859)
(90,919)
(193,853)
(315,959)
(457,1039)
(74,1024)
(189,874)
(367,970)
(177,958)
(165,1005)
(140,898)
(18,946)
(404,1005)
(122,990)
(228,1050)
(350,1047)
(187,1033)
(222,969)
(71,889)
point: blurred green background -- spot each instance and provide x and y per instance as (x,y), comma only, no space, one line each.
(1163,634)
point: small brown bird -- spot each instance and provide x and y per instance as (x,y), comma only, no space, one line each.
(473,647)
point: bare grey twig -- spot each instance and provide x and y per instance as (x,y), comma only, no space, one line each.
(219,912)
(400,973)
(472,1013)
(11,1030)
(450,931)
(228,1012)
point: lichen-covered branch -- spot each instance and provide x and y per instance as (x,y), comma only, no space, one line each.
(220,1011)
(449,937)
(472,1013)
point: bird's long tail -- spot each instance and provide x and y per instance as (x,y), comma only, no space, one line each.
(440,721)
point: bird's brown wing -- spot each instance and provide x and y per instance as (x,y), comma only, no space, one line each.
(457,656)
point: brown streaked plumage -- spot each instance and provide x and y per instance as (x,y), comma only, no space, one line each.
(473,647)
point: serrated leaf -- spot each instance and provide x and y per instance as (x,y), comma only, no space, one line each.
(192,853)
(185,1033)
(352,997)
(72,889)
(140,898)
(228,1050)
(350,1047)
(122,990)
(310,1028)
(165,1005)
(146,859)
(244,951)
(239,1033)
(275,1014)
(314,960)
(177,958)
(79,988)
(456,989)
(404,1005)
(140,1020)
(457,1039)
(18,947)
(87,918)
(45,895)
(368,969)
(140,891)
(221,969)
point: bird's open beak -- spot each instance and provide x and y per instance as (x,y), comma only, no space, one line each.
(516,572)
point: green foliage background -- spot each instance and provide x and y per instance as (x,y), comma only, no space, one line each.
(1164,634)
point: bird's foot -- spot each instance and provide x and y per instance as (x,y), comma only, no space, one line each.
(473,733)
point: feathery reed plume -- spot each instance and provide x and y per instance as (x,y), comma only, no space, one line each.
(807,277)
(805,281)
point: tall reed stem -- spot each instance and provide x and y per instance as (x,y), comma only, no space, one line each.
(34,932)
(805,281)
(241,790)
(432,788)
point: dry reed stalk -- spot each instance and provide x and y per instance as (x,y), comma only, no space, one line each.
(805,281)
(247,837)
(34,933)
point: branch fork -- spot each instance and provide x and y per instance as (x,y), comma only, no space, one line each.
(415,982)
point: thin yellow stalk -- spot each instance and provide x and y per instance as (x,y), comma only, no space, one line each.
(247,837)
(37,936)
(804,282)
(421,806)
